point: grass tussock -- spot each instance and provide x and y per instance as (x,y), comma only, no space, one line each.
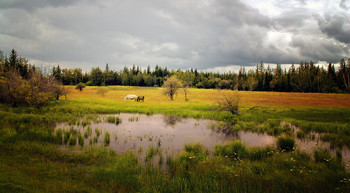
(285,143)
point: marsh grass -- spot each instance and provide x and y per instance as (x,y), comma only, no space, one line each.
(107,138)
(59,136)
(80,139)
(234,150)
(66,136)
(73,139)
(151,152)
(285,143)
(114,120)
(97,132)
(88,132)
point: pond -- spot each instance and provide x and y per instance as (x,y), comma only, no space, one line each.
(168,134)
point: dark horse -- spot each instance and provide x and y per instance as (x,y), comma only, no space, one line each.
(140,98)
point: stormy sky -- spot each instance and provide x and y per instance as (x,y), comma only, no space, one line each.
(211,35)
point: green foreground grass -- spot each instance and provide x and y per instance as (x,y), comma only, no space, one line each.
(31,159)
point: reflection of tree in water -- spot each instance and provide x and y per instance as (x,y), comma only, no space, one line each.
(171,120)
(225,128)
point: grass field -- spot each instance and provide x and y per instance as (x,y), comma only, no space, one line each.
(32,161)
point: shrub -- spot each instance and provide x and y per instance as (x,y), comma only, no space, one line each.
(35,91)
(107,138)
(80,86)
(285,143)
(230,102)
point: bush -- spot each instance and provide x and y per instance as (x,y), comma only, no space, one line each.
(230,102)
(285,143)
(80,86)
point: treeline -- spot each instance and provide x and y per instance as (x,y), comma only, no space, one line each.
(24,84)
(305,78)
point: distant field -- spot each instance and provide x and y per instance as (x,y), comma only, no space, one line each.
(208,96)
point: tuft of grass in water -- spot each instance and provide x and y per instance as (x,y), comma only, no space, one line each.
(59,136)
(114,120)
(80,139)
(73,139)
(98,132)
(285,143)
(66,136)
(88,132)
(95,139)
(151,152)
(107,138)
(159,143)
(339,155)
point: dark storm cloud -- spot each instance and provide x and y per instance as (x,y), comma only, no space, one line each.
(344,4)
(31,5)
(336,26)
(177,34)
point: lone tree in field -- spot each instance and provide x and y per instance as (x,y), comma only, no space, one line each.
(230,102)
(171,86)
(80,86)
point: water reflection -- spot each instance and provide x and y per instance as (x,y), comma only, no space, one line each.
(171,120)
(168,134)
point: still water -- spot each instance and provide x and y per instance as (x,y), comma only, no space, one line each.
(138,132)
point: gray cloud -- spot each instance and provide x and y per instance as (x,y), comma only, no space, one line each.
(336,26)
(177,34)
(33,4)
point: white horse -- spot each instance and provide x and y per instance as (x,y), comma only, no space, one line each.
(130,97)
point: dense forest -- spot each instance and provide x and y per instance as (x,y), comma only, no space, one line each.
(306,77)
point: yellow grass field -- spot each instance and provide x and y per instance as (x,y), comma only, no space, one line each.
(209,96)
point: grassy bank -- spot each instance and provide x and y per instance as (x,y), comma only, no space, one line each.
(32,160)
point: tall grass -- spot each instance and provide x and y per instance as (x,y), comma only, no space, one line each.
(107,138)
(114,120)
(285,143)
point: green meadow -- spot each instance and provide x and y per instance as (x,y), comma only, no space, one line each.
(36,158)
